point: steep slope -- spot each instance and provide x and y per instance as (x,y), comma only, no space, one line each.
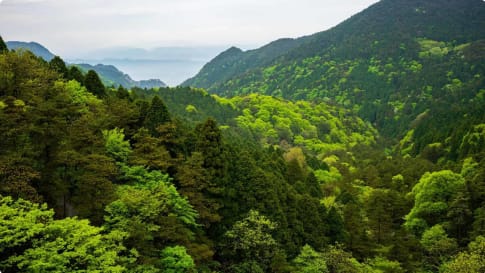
(386,29)
(401,65)
(34,47)
(110,75)
(234,61)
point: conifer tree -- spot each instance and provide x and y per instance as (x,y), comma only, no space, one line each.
(3,46)
(209,143)
(94,85)
(75,74)
(156,115)
(59,66)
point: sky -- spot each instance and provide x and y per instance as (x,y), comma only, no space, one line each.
(69,27)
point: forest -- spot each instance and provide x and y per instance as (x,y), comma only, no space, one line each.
(306,155)
(104,179)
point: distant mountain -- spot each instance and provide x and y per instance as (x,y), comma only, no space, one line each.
(34,47)
(110,75)
(413,68)
(172,64)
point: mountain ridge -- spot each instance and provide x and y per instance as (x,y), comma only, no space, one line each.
(235,61)
(391,63)
(34,47)
(322,40)
(109,74)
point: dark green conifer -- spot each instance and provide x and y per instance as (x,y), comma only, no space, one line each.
(94,85)
(209,143)
(156,115)
(75,74)
(313,186)
(3,46)
(335,223)
(58,65)
(122,93)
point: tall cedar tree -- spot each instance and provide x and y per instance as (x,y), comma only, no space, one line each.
(3,46)
(194,183)
(209,144)
(75,74)
(156,115)
(94,85)
(58,65)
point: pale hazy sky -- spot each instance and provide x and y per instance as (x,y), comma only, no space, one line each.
(70,26)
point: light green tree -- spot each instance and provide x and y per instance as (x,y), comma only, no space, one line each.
(176,260)
(310,261)
(432,197)
(116,146)
(151,211)
(32,241)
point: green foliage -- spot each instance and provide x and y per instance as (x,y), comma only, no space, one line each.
(209,144)
(432,197)
(320,176)
(436,241)
(470,261)
(339,261)
(33,242)
(58,65)
(250,239)
(389,72)
(116,146)
(168,198)
(179,98)
(111,76)
(196,184)
(379,264)
(474,140)
(21,221)
(234,61)
(72,245)
(151,211)
(156,115)
(432,49)
(176,260)
(75,74)
(3,46)
(191,109)
(318,128)
(148,151)
(310,261)
(94,85)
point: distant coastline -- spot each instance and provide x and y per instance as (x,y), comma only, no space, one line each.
(173,72)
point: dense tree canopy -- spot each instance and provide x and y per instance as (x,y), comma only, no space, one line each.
(363,152)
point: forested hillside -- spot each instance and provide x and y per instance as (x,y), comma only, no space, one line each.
(36,48)
(404,66)
(313,156)
(110,75)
